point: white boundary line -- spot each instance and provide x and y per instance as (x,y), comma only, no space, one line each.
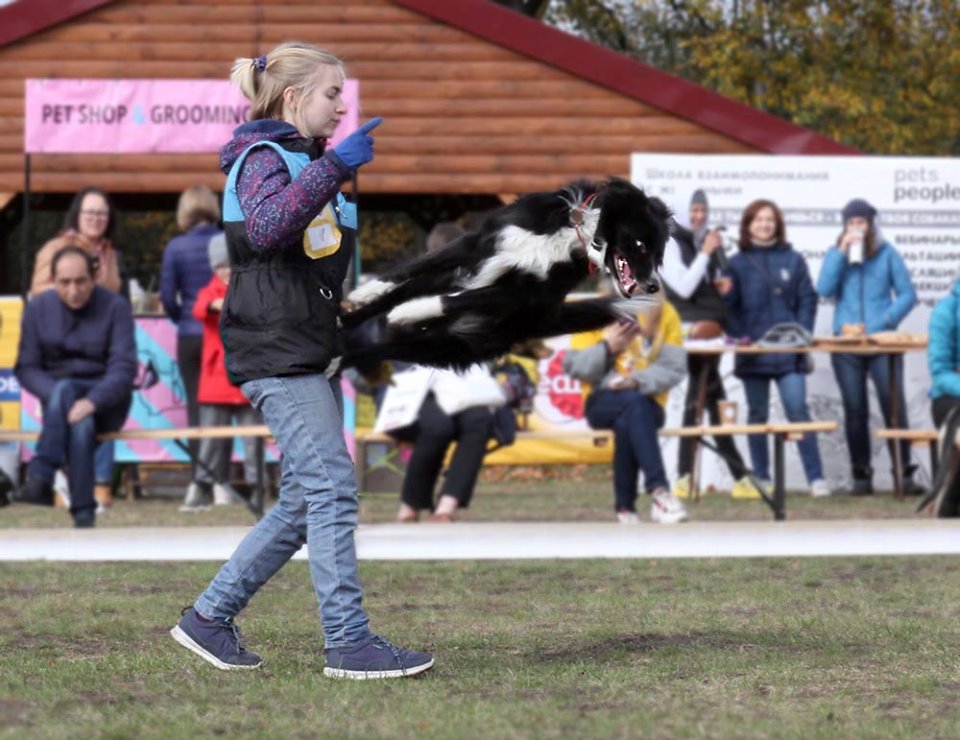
(499,541)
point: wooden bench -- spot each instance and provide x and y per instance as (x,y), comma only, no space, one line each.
(181,438)
(368,463)
(781,433)
(916,437)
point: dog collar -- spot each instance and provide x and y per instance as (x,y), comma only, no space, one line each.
(597,248)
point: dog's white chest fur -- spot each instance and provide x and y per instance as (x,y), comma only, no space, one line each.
(535,254)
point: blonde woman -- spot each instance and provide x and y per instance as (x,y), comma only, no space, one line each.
(291,236)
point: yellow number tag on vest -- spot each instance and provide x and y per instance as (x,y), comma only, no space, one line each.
(322,237)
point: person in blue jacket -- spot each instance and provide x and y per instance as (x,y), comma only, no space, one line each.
(870,284)
(185,270)
(943,354)
(768,283)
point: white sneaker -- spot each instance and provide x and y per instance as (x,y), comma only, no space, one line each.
(61,490)
(665,508)
(225,495)
(628,517)
(197,499)
(820,488)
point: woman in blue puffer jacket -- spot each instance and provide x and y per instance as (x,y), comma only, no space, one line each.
(768,283)
(873,293)
(943,354)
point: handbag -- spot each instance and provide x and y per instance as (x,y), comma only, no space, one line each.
(474,387)
(401,403)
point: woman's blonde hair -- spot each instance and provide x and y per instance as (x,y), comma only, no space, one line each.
(197,205)
(263,79)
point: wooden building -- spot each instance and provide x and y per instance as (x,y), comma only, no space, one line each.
(476,98)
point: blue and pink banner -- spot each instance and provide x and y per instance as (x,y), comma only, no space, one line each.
(159,401)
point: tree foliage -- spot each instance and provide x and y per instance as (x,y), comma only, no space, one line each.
(881,75)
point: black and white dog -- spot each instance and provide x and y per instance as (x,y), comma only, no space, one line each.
(506,283)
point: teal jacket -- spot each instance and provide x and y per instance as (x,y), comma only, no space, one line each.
(877,293)
(943,350)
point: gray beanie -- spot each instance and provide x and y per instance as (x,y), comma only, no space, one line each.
(699,198)
(217,249)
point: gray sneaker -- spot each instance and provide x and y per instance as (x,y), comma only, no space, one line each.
(217,641)
(375,657)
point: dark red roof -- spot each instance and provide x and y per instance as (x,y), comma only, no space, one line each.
(618,72)
(534,39)
(24,17)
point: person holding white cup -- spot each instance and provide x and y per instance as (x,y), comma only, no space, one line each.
(870,283)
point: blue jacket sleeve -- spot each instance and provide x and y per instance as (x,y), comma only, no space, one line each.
(29,370)
(942,349)
(168,285)
(117,383)
(906,295)
(831,273)
(806,296)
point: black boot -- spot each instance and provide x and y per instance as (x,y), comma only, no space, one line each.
(862,481)
(910,486)
(35,491)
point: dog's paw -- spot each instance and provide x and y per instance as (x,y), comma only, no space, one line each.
(415,311)
(369,292)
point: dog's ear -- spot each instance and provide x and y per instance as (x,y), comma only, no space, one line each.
(659,209)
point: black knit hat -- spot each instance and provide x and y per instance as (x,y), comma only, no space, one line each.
(858,207)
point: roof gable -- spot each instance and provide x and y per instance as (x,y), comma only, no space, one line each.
(640,81)
(24,17)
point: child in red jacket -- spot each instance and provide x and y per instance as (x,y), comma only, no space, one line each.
(220,402)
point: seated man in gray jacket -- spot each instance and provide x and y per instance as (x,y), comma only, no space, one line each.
(627,371)
(77,355)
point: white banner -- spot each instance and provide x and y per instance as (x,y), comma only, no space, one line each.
(918,200)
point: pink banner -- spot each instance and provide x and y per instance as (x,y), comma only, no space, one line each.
(127,116)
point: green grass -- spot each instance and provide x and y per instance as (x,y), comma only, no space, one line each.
(792,648)
(858,647)
(503,494)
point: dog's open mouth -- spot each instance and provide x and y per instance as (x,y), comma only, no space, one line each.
(623,276)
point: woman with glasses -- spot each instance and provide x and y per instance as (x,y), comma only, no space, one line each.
(89,224)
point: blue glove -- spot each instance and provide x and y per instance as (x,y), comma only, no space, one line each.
(357,148)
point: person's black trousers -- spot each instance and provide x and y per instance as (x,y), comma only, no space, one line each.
(189,357)
(715,392)
(431,436)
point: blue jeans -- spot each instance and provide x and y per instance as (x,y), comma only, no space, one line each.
(317,505)
(793,396)
(634,418)
(103,462)
(73,445)
(852,372)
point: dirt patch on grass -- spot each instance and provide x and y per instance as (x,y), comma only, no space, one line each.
(12,712)
(61,647)
(599,649)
